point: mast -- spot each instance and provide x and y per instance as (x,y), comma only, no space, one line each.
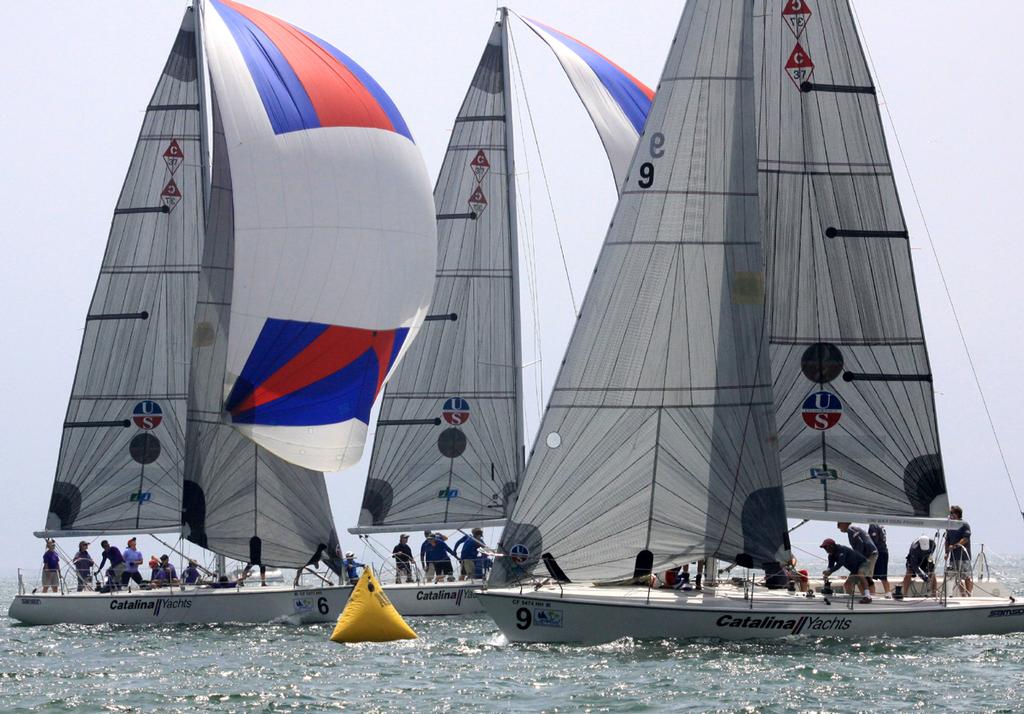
(513,247)
(204,113)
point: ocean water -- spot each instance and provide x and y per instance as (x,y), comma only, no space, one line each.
(464,664)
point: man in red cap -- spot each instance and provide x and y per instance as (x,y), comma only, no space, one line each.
(841,556)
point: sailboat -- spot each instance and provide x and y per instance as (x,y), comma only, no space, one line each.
(750,347)
(221,370)
(449,446)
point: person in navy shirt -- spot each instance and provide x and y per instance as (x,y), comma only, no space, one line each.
(431,540)
(402,554)
(116,571)
(470,555)
(434,558)
(351,567)
(51,567)
(861,542)
(877,535)
(83,565)
(958,549)
(841,556)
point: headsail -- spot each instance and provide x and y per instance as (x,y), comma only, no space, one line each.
(853,389)
(618,102)
(462,373)
(240,500)
(122,449)
(334,236)
(660,435)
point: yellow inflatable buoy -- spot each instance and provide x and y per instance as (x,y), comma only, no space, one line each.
(369,616)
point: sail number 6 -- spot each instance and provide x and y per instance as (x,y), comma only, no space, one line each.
(657,150)
(322,606)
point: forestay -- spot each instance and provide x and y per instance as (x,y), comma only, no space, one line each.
(660,434)
(334,236)
(853,387)
(240,500)
(618,102)
(121,453)
(449,447)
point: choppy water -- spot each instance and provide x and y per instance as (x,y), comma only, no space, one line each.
(465,665)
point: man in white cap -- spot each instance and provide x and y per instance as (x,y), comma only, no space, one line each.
(920,564)
(351,567)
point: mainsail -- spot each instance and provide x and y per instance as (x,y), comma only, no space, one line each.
(459,390)
(334,236)
(853,387)
(449,443)
(660,435)
(122,448)
(240,500)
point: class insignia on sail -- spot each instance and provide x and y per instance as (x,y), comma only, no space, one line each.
(334,237)
(369,615)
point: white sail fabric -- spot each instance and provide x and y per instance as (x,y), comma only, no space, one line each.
(853,391)
(239,500)
(618,103)
(122,448)
(462,374)
(659,435)
(334,241)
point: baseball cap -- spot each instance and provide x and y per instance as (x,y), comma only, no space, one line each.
(827,543)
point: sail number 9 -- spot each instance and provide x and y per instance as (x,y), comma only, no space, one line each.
(524,618)
(657,150)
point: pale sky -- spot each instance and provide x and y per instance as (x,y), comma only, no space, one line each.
(77,77)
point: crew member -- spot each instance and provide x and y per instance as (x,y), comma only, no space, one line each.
(881,572)
(83,565)
(402,554)
(115,574)
(434,558)
(841,556)
(51,567)
(470,556)
(921,564)
(132,561)
(248,571)
(191,573)
(861,542)
(958,550)
(351,567)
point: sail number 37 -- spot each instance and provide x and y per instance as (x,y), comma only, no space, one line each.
(656,148)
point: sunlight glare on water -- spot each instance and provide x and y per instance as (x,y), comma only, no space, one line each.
(466,664)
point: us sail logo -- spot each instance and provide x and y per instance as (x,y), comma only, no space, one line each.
(822,410)
(147,414)
(455,410)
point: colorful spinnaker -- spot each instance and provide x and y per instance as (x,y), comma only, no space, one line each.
(618,102)
(334,236)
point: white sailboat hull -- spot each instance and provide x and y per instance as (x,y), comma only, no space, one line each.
(242,605)
(592,615)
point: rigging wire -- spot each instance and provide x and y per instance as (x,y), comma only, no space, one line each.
(547,186)
(938,264)
(530,245)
